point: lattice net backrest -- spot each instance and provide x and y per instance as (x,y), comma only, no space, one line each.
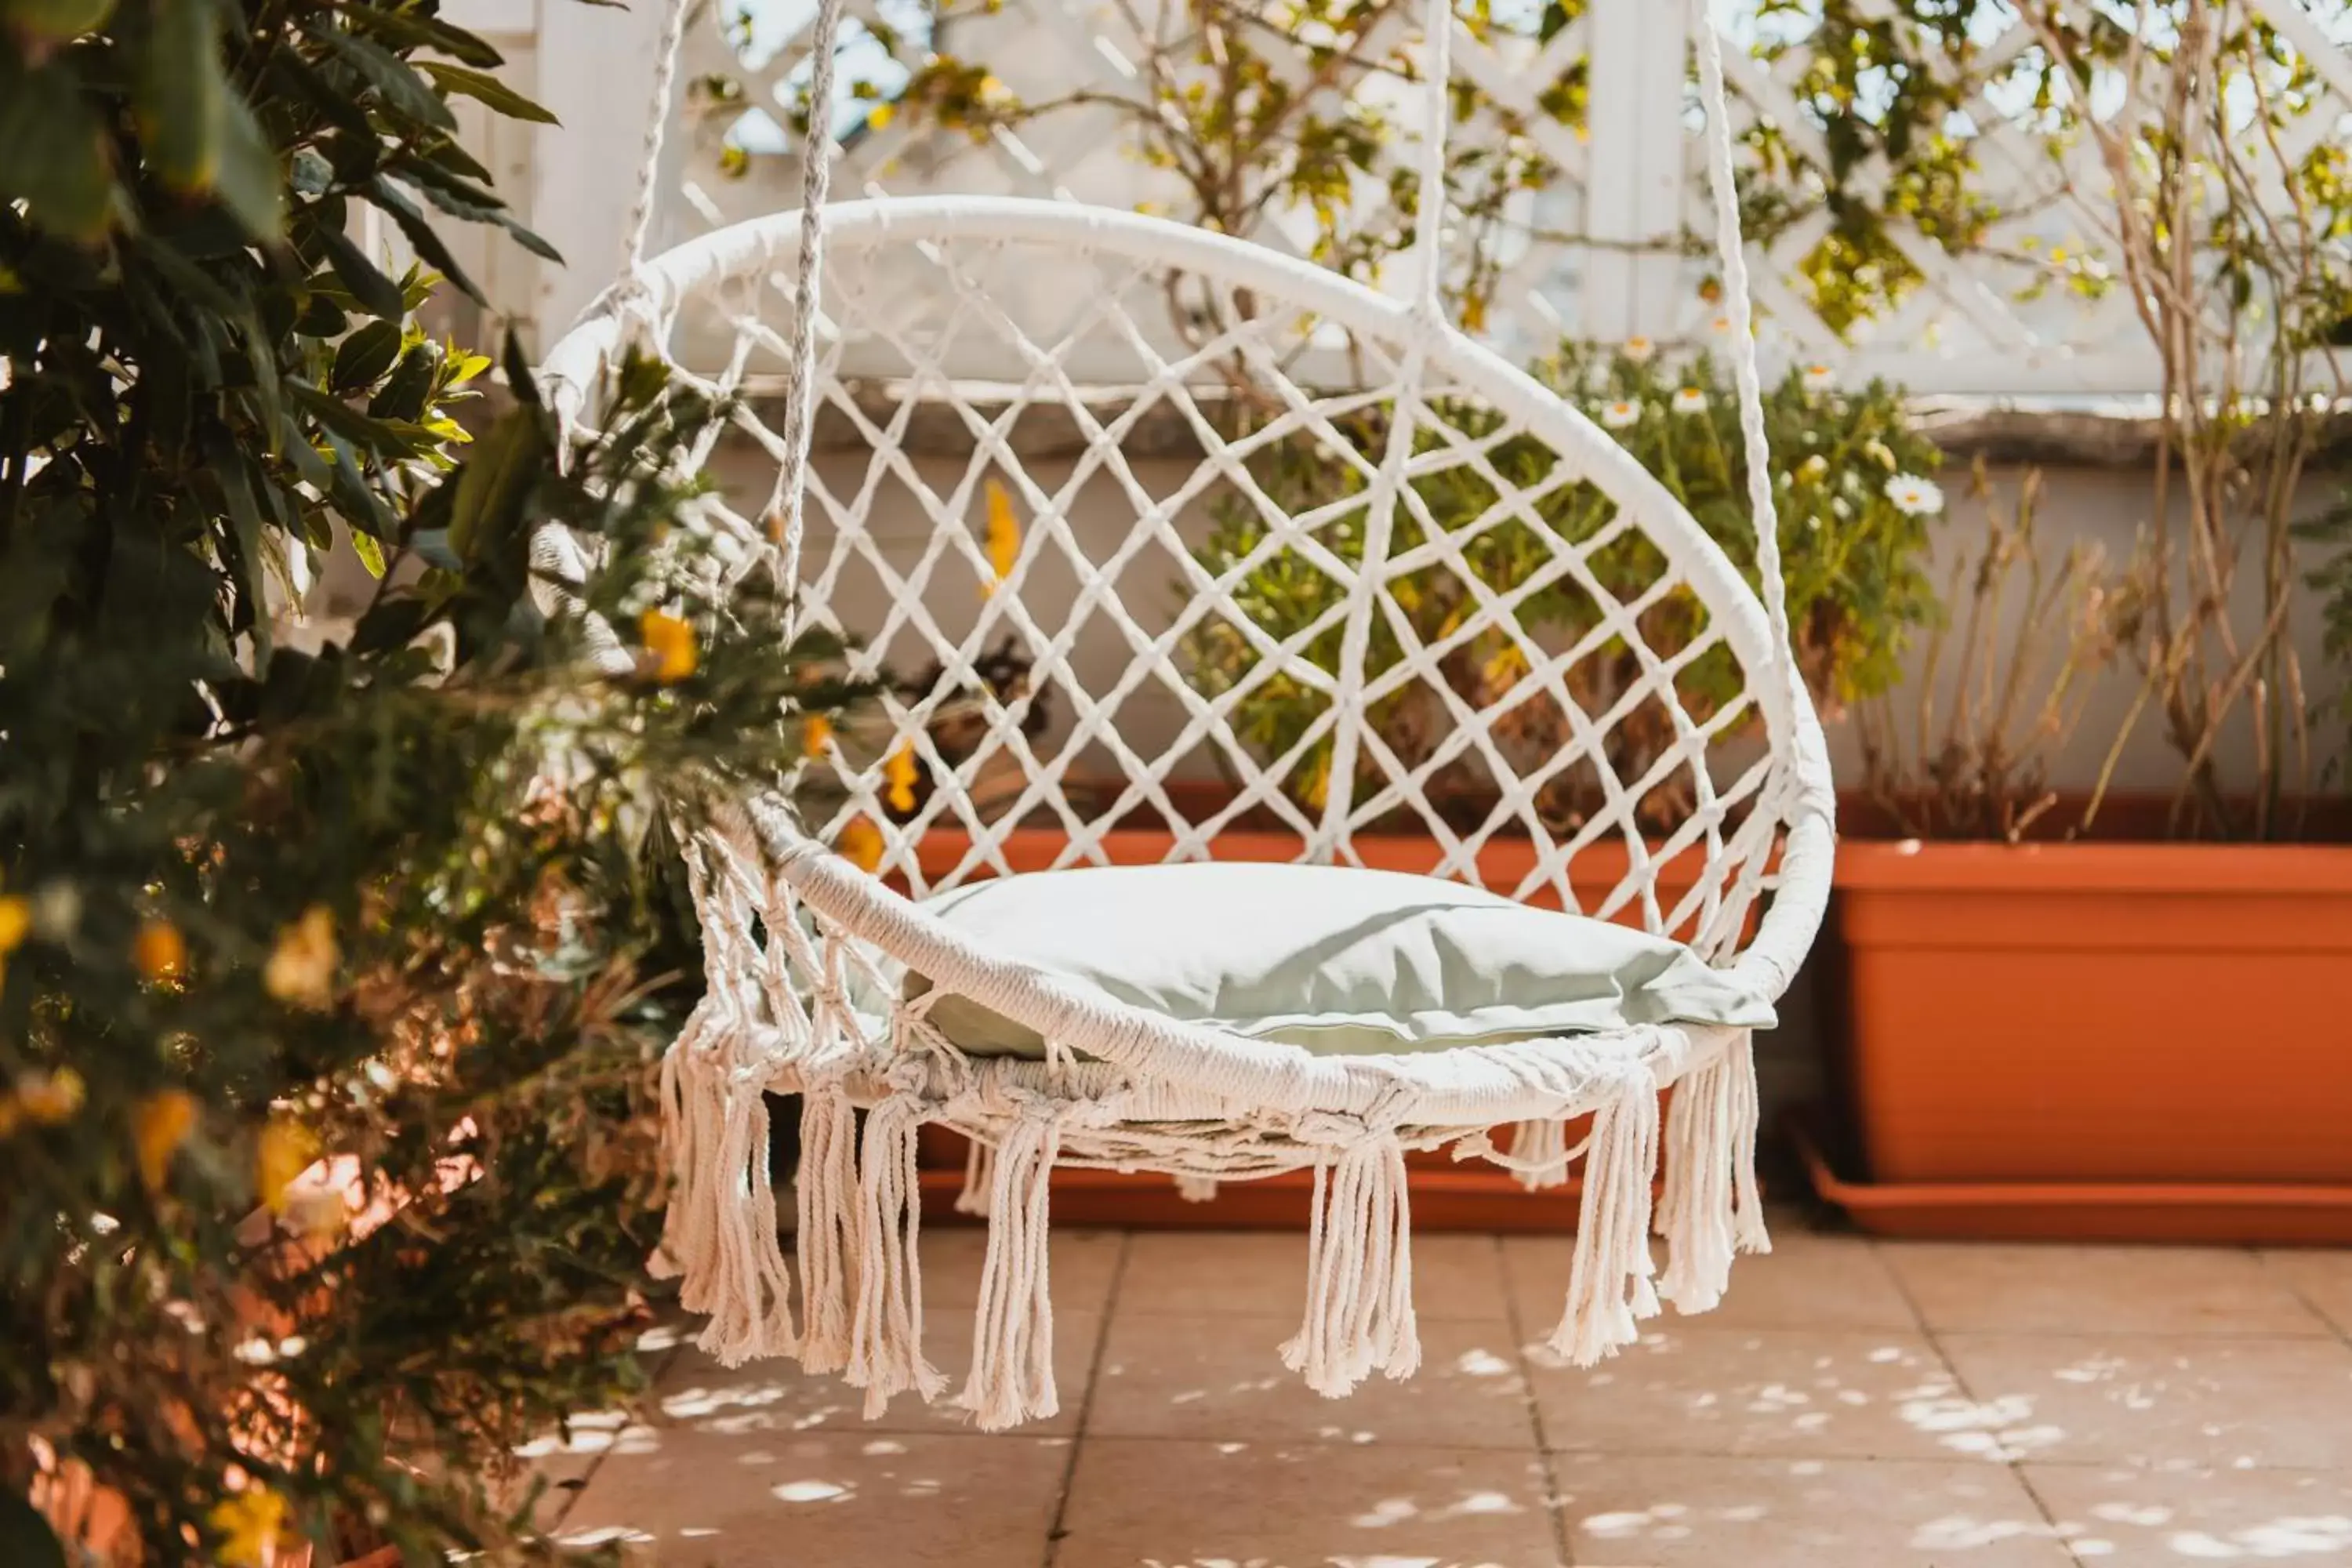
(1126,596)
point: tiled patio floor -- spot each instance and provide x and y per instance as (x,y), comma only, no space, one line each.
(1852,1404)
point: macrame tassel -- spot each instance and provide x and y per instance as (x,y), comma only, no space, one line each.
(1609,1288)
(1695,1211)
(979,1177)
(1539,1152)
(687,1141)
(1360,1312)
(1748,1232)
(743,1284)
(885,1352)
(1012,1336)
(827,1235)
(1197,1189)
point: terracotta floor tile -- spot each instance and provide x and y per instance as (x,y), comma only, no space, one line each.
(2322,1277)
(699,1498)
(1809,1514)
(1850,1394)
(1807,1281)
(1975,1286)
(1221,1377)
(777,1396)
(2122,1518)
(1081,1262)
(1265,1273)
(2184,1400)
(1191,1505)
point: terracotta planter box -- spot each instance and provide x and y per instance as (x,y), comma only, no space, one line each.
(2133,1030)
(1446,1194)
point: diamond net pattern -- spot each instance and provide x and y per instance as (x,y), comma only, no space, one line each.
(1162,585)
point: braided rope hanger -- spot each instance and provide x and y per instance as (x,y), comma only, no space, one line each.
(819,148)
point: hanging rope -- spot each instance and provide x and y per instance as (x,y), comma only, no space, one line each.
(1437,110)
(1729,246)
(817,149)
(640,207)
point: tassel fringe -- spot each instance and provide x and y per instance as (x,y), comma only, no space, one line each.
(1360,1313)
(1013,1337)
(741,1279)
(828,1235)
(1197,1189)
(885,1354)
(1610,1288)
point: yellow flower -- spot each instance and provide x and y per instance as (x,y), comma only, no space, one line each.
(250,1523)
(301,971)
(158,1128)
(899,770)
(1316,790)
(861,844)
(1003,534)
(284,1151)
(880,115)
(816,733)
(50,1097)
(671,642)
(1503,670)
(16,922)
(160,951)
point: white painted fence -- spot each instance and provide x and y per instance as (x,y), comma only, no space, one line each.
(1613,261)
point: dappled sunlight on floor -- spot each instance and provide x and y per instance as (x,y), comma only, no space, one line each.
(1852,1406)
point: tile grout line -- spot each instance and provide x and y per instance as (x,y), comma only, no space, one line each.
(1555,1504)
(2016,1466)
(1053,1530)
(2341,1332)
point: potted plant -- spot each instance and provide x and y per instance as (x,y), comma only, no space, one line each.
(2120,1018)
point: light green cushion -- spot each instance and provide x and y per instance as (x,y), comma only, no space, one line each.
(1335,959)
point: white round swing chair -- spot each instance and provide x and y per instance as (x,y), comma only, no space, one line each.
(800,942)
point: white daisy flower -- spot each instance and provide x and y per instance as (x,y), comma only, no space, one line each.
(1690,400)
(1915,496)
(1819,378)
(1813,468)
(1621,414)
(1639,350)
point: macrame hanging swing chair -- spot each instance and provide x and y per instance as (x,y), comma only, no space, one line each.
(828,983)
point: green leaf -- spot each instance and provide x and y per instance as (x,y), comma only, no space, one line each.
(54,21)
(374,293)
(250,180)
(228,466)
(53,150)
(361,359)
(488,90)
(429,245)
(459,199)
(181,92)
(370,553)
(412,30)
(340,420)
(399,86)
(497,479)
(26,1539)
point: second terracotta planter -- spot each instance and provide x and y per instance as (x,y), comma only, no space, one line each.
(2099,1014)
